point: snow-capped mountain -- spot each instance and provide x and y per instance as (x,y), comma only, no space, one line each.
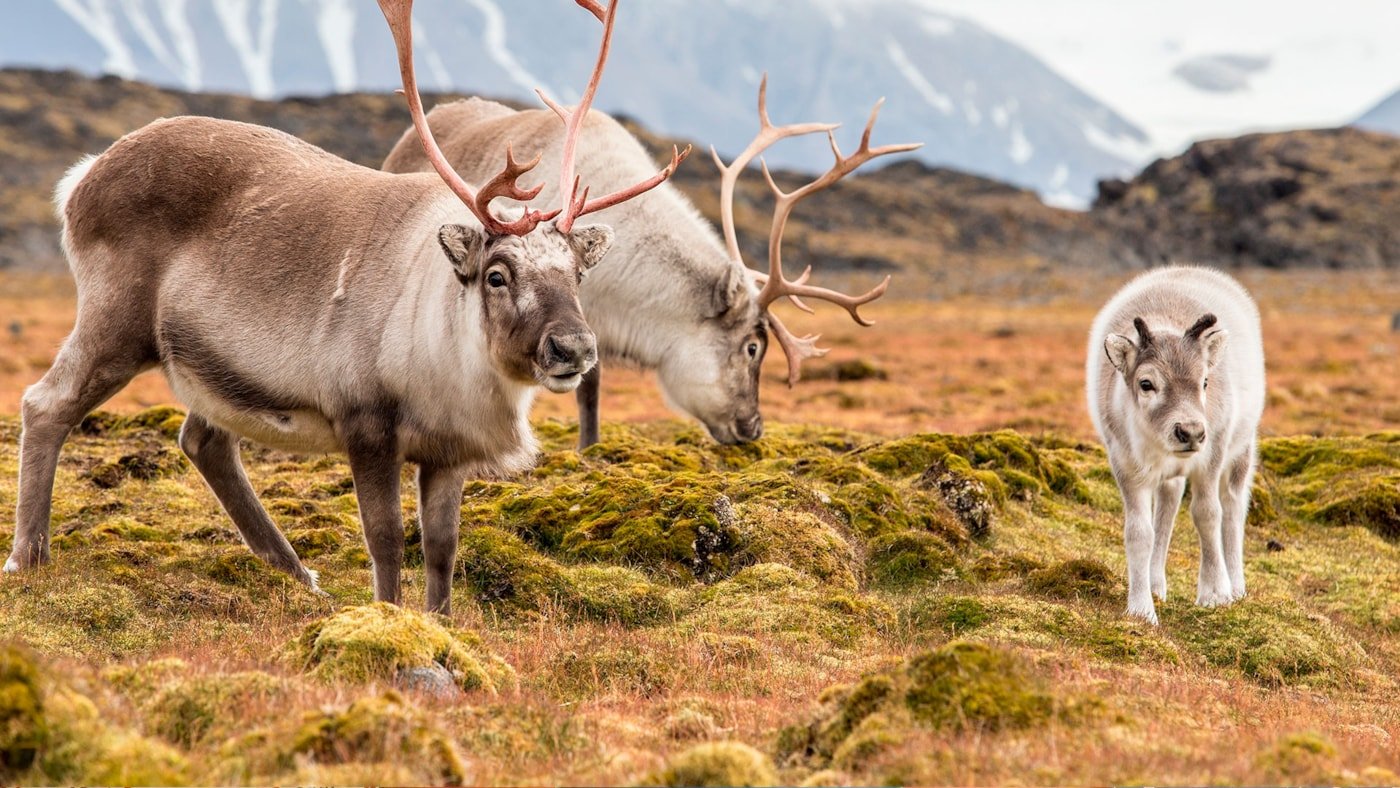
(1385,116)
(978,101)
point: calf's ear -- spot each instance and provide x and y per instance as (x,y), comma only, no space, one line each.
(1213,346)
(592,242)
(1122,352)
(463,246)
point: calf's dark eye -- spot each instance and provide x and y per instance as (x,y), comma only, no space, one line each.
(753,350)
(496,279)
(1146,385)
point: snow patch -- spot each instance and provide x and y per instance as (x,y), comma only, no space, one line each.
(424,46)
(95,18)
(494,39)
(1118,145)
(916,79)
(252,44)
(972,113)
(938,26)
(335,26)
(177,22)
(1021,149)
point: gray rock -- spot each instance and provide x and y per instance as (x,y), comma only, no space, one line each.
(434,680)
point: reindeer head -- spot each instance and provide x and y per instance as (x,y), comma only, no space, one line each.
(719,384)
(528,290)
(526,270)
(1168,379)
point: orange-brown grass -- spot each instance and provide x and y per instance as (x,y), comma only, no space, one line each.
(1295,684)
(964,364)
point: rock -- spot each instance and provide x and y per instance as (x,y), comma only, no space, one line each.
(433,680)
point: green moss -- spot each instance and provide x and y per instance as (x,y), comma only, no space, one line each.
(966,685)
(145,465)
(97,609)
(954,615)
(1077,578)
(186,711)
(873,508)
(1375,505)
(502,570)
(162,418)
(717,764)
(960,686)
(378,641)
(1021,466)
(1295,757)
(24,731)
(909,558)
(799,539)
(1269,640)
(772,600)
(313,542)
(624,596)
(376,730)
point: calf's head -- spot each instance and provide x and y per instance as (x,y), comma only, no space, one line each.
(528,288)
(1168,380)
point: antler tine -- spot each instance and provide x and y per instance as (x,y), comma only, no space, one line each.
(574,203)
(797,349)
(399,15)
(768,134)
(504,185)
(777,286)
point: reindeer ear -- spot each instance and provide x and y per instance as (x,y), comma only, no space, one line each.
(1213,346)
(592,242)
(724,293)
(463,246)
(1122,352)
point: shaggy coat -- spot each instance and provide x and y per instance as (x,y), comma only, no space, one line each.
(1175,386)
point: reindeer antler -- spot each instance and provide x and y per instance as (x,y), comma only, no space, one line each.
(399,15)
(775,285)
(576,204)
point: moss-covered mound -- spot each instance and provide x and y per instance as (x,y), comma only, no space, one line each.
(380,641)
(959,594)
(383,735)
(717,764)
(959,686)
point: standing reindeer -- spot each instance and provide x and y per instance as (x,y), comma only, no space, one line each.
(672,298)
(304,302)
(1179,400)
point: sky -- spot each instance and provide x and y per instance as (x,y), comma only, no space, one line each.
(1327,62)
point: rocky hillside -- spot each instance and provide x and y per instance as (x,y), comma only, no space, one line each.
(821,607)
(1326,198)
(1309,198)
(908,217)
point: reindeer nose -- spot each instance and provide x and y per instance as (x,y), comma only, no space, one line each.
(577,350)
(1190,433)
(750,429)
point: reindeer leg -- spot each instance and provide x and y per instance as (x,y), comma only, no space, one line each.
(81,378)
(214,452)
(1165,505)
(587,395)
(440,512)
(372,445)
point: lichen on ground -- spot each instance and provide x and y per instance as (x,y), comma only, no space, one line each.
(821,606)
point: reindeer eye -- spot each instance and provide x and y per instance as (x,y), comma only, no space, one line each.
(753,350)
(496,279)
(1146,385)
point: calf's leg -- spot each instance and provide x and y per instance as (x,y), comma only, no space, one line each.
(1165,505)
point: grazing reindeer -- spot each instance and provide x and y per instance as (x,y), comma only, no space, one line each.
(672,298)
(304,302)
(1180,401)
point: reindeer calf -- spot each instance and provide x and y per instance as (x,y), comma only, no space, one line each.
(1181,401)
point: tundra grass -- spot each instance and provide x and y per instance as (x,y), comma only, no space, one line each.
(824,607)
